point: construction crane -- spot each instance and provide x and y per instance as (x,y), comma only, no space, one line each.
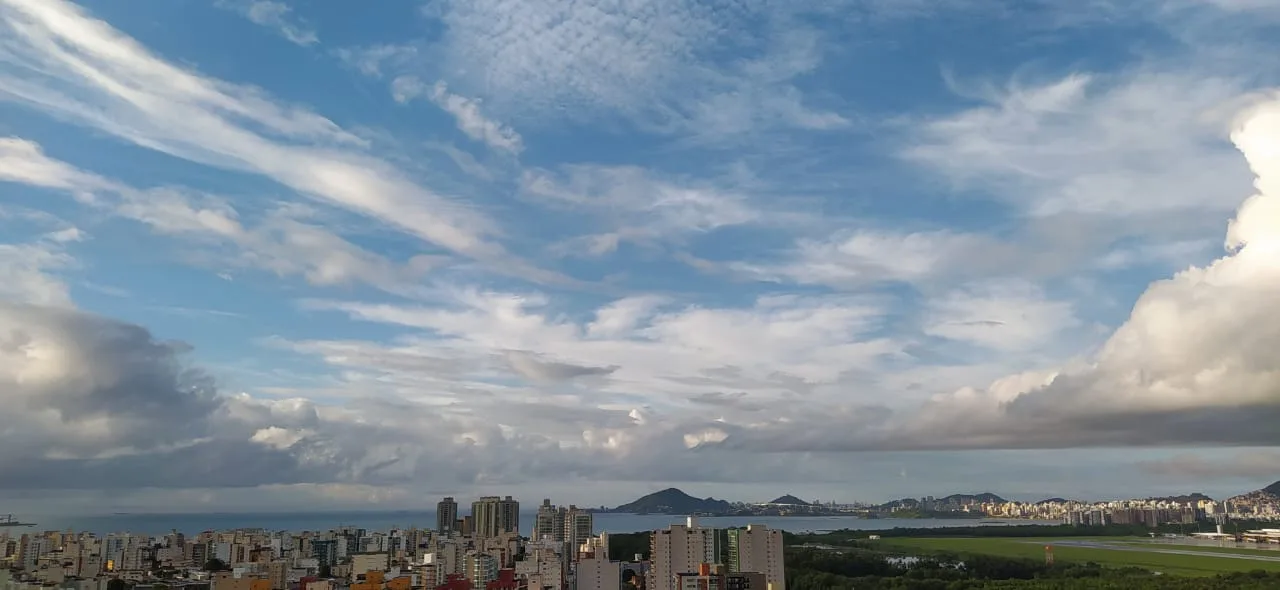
(9,520)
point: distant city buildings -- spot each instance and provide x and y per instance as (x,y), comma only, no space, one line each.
(485,550)
(1143,512)
(482,550)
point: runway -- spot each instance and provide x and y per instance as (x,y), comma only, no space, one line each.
(1153,548)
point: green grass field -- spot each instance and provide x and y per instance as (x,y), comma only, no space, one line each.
(1187,565)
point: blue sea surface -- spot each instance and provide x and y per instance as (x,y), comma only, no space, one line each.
(159,524)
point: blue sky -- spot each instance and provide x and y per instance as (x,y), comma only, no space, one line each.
(256,250)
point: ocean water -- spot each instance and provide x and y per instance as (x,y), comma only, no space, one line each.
(158,524)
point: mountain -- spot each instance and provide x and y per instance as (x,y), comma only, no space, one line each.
(674,501)
(789,500)
(1183,499)
(1052,501)
(972,499)
(1270,493)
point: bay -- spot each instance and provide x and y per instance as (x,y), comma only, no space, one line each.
(190,524)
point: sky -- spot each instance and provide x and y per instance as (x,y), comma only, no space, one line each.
(270,254)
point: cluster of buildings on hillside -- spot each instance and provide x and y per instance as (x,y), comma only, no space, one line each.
(482,550)
(1149,512)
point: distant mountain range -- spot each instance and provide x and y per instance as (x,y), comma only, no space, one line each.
(972,498)
(952,500)
(1183,499)
(676,502)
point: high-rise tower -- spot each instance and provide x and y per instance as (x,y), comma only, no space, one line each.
(758,549)
(491,516)
(446,516)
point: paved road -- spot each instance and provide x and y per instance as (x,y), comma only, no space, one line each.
(1154,549)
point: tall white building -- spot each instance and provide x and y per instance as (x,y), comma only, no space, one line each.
(680,549)
(758,549)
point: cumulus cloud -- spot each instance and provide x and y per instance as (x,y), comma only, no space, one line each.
(1189,365)
(102,404)
(80,386)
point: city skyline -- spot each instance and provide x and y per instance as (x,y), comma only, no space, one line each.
(260,255)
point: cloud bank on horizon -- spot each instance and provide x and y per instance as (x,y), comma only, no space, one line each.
(572,249)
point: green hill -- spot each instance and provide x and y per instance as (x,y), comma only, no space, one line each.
(972,498)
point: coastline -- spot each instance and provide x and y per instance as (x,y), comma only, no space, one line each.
(159,524)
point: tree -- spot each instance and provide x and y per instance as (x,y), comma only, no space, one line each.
(214,565)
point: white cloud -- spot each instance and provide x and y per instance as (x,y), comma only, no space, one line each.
(280,438)
(634,206)
(622,316)
(26,273)
(407,88)
(374,60)
(274,15)
(657,64)
(1178,253)
(58,59)
(464,110)
(639,347)
(1190,364)
(1010,316)
(580,55)
(1140,144)
(853,258)
(760,94)
(281,243)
